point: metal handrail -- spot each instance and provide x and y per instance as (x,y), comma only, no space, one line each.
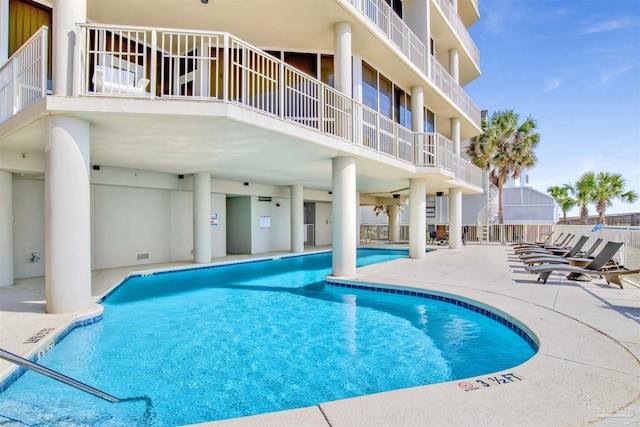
(20,361)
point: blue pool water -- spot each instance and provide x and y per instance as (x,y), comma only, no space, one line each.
(255,337)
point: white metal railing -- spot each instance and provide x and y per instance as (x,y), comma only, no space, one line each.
(399,33)
(451,15)
(453,91)
(394,29)
(215,66)
(23,78)
(309,235)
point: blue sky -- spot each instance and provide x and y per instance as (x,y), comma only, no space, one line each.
(574,66)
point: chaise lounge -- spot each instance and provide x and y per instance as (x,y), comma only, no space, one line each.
(598,267)
(559,255)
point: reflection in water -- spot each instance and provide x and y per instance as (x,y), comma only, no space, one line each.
(349,304)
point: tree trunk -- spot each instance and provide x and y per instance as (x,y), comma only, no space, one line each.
(584,214)
(601,207)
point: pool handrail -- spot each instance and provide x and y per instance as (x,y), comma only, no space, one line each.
(27,364)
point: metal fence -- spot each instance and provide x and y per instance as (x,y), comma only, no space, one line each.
(23,78)
(628,255)
(170,63)
(382,16)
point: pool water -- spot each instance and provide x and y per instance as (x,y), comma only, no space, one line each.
(244,339)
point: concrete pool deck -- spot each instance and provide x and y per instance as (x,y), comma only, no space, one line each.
(587,369)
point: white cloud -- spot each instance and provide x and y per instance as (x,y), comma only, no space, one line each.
(610,25)
(552,84)
(610,74)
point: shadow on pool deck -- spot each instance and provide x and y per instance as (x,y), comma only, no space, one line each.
(586,370)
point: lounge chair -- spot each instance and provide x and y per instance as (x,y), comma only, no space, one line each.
(556,256)
(544,242)
(595,267)
(546,248)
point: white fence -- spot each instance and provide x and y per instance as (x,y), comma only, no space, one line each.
(169,63)
(458,27)
(628,255)
(23,78)
(380,14)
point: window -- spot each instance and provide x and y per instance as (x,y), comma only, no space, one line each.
(396,5)
(326,70)
(304,62)
(386,101)
(402,108)
(369,87)
(429,121)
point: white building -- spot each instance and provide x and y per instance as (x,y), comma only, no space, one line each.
(136,132)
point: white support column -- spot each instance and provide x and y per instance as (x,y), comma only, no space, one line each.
(66,14)
(417,109)
(4,31)
(6,229)
(454,68)
(455,218)
(357,78)
(67,215)
(342,58)
(394,223)
(297,218)
(417,217)
(201,218)
(344,217)
(358,218)
(455,134)
(417,121)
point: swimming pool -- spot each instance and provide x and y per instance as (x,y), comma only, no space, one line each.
(215,343)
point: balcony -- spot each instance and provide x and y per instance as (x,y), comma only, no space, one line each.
(156,63)
(459,29)
(23,78)
(380,14)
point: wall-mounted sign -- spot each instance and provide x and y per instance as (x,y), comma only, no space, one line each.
(265,222)
(214,219)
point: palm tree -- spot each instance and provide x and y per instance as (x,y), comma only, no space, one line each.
(505,148)
(609,186)
(583,191)
(561,194)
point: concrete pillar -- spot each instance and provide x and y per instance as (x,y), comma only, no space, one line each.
(67,215)
(417,121)
(356,81)
(454,68)
(455,135)
(358,218)
(297,219)
(342,57)
(417,217)
(394,223)
(417,109)
(455,218)
(66,14)
(6,229)
(201,218)
(344,217)
(4,31)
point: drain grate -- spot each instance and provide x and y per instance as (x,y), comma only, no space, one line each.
(38,336)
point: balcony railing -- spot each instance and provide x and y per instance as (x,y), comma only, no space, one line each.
(459,28)
(23,78)
(399,33)
(116,61)
(219,67)
(453,91)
